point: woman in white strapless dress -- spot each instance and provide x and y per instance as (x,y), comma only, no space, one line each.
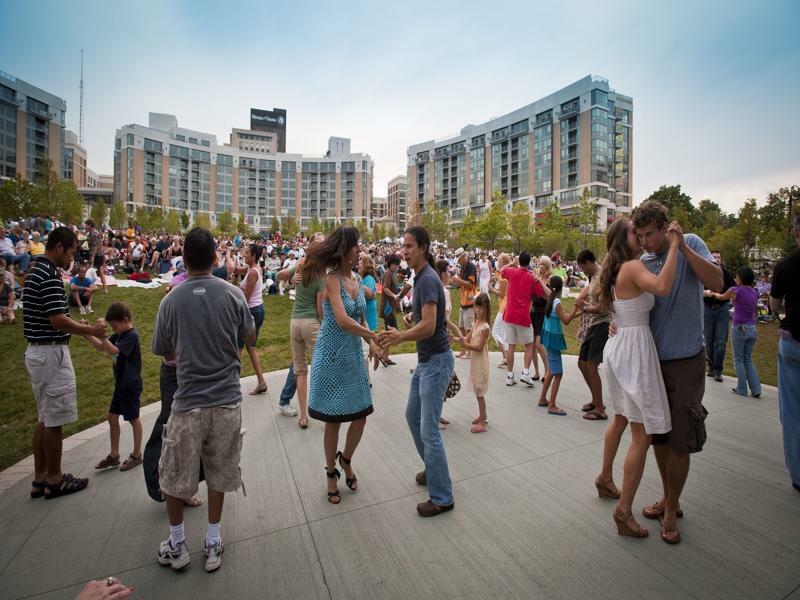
(630,362)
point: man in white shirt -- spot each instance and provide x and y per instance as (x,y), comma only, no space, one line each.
(289,263)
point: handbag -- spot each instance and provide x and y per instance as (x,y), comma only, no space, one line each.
(453,387)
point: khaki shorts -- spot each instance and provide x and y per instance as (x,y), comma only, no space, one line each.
(685,381)
(304,335)
(517,334)
(213,435)
(466,317)
(53,380)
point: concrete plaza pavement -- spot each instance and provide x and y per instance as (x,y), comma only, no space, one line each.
(527,523)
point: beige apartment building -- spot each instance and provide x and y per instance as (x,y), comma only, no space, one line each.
(74,162)
(378,210)
(397,190)
(31,128)
(577,138)
(163,166)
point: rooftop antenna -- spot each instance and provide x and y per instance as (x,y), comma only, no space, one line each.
(80,126)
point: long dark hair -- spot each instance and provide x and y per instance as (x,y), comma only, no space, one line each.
(330,253)
(619,252)
(421,236)
(556,284)
(483,301)
(307,272)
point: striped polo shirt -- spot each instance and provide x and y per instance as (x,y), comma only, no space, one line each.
(43,296)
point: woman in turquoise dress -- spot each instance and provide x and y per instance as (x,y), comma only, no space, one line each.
(339,388)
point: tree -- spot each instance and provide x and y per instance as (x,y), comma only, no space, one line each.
(381,231)
(225,225)
(679,205)
(708,218)
(376,231)
(392,231)
(98,213)
(776,221)
(17,198)
(290,228)
(173,222)
(118,217)
(466,234)
(519,225)
(493,225)
(243,228)
(435,220)
(275,226)
(142,217)
(363,228)
(314,225)
(156,221)
(69,203)
(749,225)
(586,218)
(185,220)
(201,219)
(414,216)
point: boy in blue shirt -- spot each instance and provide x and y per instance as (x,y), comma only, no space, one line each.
(123,346)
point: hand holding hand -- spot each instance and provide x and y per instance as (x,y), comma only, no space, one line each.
(612,329)
(675,235)
(389,338)
(99,329)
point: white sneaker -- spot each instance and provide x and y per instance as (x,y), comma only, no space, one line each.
(89,309)
(510,380)
(526,379)
(83,310)
(177,558)
(288,411)
(213,555)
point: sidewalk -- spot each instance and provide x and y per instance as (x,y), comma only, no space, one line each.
(527,523)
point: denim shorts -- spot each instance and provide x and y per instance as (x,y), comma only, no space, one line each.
(554,362)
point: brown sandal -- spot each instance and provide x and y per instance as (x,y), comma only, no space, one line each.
(621,519)
(656,511)
(604,490)
(670,539)
(107,462)
(130,462)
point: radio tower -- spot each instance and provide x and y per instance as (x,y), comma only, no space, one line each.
(80,126)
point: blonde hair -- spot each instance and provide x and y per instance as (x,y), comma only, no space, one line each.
(503,259)
(545,262)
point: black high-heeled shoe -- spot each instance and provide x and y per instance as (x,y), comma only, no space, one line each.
(350,482)
(331,495)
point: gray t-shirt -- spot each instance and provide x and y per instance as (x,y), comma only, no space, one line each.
(201,322)
(428,288)
(677,319)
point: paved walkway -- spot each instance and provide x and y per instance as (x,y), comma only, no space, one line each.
(527,523)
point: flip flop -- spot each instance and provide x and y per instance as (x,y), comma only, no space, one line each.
(588,407)
(543,404)
(559,413)
(593,415)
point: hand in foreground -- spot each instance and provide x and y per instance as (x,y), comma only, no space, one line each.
(99,329)
(612,329)
(675,235)
(389,338)
(105,589)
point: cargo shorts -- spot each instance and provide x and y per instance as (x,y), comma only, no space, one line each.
(211,435)
(53,381)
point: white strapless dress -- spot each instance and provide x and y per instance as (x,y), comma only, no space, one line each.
(631,367)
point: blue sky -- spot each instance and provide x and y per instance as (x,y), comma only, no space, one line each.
(715,84)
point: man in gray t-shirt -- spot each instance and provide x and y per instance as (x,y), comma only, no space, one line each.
(677,325)
(200,324)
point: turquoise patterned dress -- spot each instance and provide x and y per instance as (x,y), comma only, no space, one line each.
(339,383)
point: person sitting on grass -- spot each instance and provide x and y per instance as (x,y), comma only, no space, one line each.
(82,288)
(6,295)
(123,346)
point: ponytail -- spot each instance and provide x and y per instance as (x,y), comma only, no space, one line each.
(555,285)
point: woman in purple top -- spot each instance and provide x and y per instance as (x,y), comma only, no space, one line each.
(745,303)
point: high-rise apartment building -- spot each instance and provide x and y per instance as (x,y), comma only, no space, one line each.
(31,128)
(272,121)
(396,201)
(377,209)
(74,161)
(163,166)
(546,152)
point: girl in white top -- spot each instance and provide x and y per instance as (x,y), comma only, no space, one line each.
(484,273)
(630,361)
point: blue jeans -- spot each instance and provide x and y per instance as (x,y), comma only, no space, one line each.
(715,329)
(789,403)
(744,338)
(23,260)
(425,401)
(289,387)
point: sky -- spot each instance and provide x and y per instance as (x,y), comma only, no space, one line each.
(715,84)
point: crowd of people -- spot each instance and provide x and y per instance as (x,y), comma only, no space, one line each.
(655,313)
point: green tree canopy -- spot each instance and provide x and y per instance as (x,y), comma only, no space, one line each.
(493,225)
(679,205)
(436,221)
(520,226)
(392,231)
(173,222)
(117,217)
(17,198)
(98,212)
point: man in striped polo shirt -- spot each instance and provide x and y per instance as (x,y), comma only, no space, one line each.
(47,327)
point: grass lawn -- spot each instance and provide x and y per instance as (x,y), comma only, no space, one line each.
(96,381)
